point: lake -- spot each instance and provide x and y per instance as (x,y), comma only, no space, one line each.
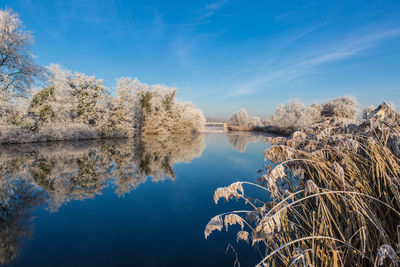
(123,202)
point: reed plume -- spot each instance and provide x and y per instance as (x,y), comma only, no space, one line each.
(332,195)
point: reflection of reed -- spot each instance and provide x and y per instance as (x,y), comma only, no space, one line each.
(32,175)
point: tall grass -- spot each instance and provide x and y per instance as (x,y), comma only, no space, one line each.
(332,196)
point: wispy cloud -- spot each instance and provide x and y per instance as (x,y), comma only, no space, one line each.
(185,46)
(188,39)
(340,51)
(182,48)
(211,9)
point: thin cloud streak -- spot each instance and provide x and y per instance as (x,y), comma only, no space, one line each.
(343,51)
(211,9)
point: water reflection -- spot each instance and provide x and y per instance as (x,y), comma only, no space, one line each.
(53,174)
(240,140)
(18,201)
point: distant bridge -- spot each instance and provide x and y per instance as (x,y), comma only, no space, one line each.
(216,127)
(220,124)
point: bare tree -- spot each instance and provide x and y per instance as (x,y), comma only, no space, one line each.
(17,68)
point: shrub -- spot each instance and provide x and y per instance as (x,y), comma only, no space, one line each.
(343,107)
(10,133)
(367,110)
(71,131)
(295,115)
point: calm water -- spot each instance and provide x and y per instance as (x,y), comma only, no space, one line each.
(123,202)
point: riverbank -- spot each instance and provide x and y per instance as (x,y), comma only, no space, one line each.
(295,115)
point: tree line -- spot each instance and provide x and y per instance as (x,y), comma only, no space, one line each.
(71,105)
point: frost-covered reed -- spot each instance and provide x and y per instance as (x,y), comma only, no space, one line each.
(332,195)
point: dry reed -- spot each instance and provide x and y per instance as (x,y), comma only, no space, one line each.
(333,195)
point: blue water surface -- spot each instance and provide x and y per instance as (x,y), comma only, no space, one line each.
(124,202)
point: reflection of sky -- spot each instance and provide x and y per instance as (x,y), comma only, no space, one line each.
(223,54)
(155,224)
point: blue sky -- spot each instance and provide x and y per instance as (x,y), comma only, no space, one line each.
(227,54)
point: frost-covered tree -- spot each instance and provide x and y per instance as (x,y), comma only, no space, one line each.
(155,105)
(160,113)
(55,102)
(240,118)
(87,91)
(127,105)
(185,117)
(69,97)
(139,108)
(70,107)
(17,68)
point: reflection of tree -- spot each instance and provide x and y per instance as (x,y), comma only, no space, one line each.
(240,140)
(53,174)
(18,198)
(155,157)
(81,170)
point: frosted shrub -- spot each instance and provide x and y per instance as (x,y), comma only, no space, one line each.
(71,131)
(343,107)
(10,133)
(255,122)
(288,118)
(313,113)
(367,110)
(295,115)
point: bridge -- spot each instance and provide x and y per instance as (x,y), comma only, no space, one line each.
(215,127)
